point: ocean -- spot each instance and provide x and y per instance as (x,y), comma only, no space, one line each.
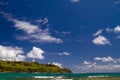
(43,76)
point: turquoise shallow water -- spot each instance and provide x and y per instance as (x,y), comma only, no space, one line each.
(16,76)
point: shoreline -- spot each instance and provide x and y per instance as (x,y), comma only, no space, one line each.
(83,78)
(43,76)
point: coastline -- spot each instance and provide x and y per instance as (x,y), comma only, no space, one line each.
(83,78)
(43,76)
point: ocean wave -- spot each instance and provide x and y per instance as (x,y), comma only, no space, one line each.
(43,76)
(51,77)
(97,76)
(48,77)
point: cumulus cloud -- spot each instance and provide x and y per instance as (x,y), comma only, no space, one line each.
(118,60)
(74,0)
(114,30)
(57,64)
(98,32)
(36,53)
(101,40)
(99,68)
(11,53)
(20,58)
(64,53)
(86,62)
(105,64)
(117,29)
(32,32)
(105,59)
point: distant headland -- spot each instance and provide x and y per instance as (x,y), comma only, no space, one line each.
(13,66)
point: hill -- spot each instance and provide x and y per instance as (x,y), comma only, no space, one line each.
(12,66)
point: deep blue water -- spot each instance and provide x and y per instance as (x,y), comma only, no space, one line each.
(16,76)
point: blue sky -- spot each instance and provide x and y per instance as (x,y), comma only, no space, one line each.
(83,35)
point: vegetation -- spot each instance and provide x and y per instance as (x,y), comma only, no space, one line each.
(12,66)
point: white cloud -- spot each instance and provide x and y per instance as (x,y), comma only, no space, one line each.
(105,64)
(42,21)
(11,53)
(32,32)
(98,32)
(36,53)
(117,29)
(26,27)
(57,64)
(6,15)
(105,59)
(101,40)
(45,20)
(64,53)
(109,30)
(74,0)
(86,62)
(20,58)
(118,60)
(99,68)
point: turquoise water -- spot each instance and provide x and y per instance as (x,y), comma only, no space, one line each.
(26,76)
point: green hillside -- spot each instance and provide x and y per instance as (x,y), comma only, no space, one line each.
(12,66)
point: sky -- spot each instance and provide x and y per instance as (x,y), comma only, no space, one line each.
(82,35)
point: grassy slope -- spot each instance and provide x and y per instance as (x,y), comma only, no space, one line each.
(10,66)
